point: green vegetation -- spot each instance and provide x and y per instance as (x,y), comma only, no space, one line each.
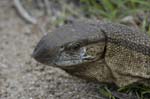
(104,90)
(116,10)
(137,91)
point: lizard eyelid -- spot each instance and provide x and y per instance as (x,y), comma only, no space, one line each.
(73,46)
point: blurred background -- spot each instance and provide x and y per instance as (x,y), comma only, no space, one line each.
(24,22)
(131,12)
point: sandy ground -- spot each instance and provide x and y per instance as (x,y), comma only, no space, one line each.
(21,77)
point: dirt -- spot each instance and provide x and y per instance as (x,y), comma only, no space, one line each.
(21,77)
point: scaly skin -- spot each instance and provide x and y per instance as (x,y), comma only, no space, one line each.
(102,51)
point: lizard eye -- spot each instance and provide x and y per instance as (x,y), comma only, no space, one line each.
(73,46)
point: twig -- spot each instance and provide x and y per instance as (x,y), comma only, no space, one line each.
(24,13)
(47,7)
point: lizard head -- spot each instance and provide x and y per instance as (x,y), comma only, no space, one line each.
(71,45)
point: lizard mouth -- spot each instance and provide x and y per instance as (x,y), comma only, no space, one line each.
(74,61)
(68,65)
(66,59)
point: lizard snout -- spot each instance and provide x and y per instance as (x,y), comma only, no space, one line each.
(39,54)
(43,52)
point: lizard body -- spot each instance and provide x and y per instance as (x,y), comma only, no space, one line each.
(102,51)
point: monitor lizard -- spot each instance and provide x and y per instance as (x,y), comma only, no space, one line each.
(95,50)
